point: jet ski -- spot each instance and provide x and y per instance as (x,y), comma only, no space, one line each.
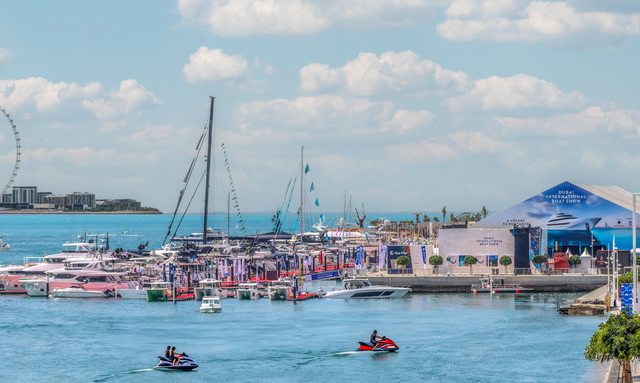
(384,344)
(185,363)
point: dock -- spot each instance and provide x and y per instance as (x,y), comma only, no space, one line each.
(462,283)
(592,303)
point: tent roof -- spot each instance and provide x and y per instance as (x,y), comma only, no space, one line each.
(613,193)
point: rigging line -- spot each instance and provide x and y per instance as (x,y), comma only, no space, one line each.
(188,205)
(288,205)
(280,210)
(233,188)
(186,179)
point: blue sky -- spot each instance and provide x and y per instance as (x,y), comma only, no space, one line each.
(407,104)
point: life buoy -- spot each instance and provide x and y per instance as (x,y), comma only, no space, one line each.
(485,285)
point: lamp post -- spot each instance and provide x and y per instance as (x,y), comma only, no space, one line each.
(633,254)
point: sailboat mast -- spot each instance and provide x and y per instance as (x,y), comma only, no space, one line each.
(228,215)
(302,194)
(206,193)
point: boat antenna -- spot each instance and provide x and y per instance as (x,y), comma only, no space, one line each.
(207,186)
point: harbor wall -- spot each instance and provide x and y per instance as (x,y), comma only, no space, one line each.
(539,283)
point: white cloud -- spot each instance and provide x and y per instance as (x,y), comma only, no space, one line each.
(514,93)
(332,113)
(131,96)
(533,21)
(213,64)
(592,120)
(5,56)
(248,17)
(369,74)
(43,94)
(458,144)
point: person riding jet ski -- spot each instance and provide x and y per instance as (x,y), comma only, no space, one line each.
(374,338)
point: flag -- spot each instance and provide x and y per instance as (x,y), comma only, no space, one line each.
(306,169)
(312,188)
(317,202)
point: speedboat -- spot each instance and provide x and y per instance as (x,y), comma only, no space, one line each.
(77,292)
(4,246)
(211,305)
(486,285)
(185,363)
(363,289)
(384,344)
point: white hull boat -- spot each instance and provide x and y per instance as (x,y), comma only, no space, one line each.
(131,294)
(210,305)
(363,289)
(77,292)
(35,287)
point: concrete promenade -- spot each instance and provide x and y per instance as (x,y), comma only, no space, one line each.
(462,283)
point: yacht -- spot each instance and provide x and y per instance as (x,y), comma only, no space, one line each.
(211,305)
(560,220)
(77,292)
(355,288)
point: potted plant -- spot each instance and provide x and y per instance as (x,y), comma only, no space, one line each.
(574,260)
(505,261)
(403,261)
(470,260)
(435,261)
(539,260)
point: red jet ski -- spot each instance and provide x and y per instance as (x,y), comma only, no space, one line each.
(384,344)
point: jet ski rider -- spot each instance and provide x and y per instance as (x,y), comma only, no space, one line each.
(374,338)
(167,353)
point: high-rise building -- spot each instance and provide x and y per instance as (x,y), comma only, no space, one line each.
(79,201)
(24,195)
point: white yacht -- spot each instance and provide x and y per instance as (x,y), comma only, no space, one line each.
(211,305)
(560,220)
(363,289)
(77,292)
(209,288)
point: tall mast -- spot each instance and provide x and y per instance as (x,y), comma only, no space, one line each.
(228,215)
(206,193)
(302,194)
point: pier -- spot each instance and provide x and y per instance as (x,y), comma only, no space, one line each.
(462,283)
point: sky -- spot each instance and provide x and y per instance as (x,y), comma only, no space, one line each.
(408,105)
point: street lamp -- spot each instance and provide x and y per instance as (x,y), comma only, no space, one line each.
(633,254)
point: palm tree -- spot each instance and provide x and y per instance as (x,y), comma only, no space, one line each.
(444,214)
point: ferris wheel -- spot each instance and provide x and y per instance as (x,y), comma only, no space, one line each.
(16,163)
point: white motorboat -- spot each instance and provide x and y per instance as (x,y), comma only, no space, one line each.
(247,291)
(77,292)
(280,290)
(35,287)
(211,305)
(209,288)
(363,289)
(133,291)
(4,246)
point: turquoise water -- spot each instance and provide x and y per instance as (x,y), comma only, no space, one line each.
(443,337)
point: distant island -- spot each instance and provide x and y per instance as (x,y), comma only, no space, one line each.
(28,200)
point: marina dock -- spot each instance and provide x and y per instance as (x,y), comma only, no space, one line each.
(462,283)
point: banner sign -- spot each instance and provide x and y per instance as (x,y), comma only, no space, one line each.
(476,242)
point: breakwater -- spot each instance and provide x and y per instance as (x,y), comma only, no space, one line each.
(462,283)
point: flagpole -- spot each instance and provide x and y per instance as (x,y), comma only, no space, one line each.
(633,254)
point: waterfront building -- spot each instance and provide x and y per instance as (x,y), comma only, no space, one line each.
(40,196)
(24,195)
(7,198)
(572,216)
(56,200)
(79,201)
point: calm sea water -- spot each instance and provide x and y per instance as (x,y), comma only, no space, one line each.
(443,337)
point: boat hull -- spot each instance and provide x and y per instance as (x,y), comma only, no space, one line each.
(369,293)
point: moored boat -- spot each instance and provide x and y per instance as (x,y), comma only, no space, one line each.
(363,289)
(247,291)
(77,292)
(211,304)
